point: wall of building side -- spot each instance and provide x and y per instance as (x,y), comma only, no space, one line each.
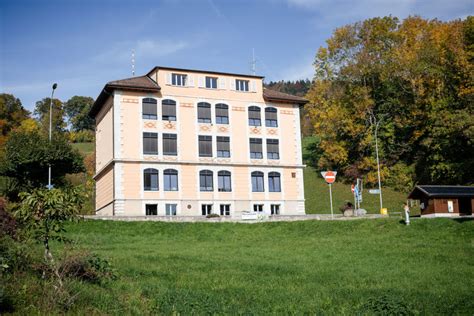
(104,184)
(104,136)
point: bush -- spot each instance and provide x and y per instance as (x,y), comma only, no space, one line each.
(8,225)
(83,136)
(401,177)
(86,266)
(14,256)
(212,215)
(6,304)
(346,206)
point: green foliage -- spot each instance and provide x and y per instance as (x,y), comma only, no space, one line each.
(42,114)
(212,215)
(312,151)
(386,304)
(77,110)
(27,157)
(82,136)
(416,74)
(12,113)
(86,266)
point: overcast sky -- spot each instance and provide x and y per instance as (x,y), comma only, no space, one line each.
(81,45)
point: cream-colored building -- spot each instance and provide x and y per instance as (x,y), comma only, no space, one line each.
(189,143)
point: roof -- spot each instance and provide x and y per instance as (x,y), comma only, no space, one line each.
(434,191)
(276,96)
(203,71)
(142,83)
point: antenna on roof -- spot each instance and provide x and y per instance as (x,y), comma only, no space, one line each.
(133,63)
(253,63)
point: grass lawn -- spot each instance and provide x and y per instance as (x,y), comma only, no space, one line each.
(325,267)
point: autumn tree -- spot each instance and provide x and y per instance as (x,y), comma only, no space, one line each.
(12,113)
(77,111)
(42,114)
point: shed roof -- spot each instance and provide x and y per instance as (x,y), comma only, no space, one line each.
(434,191)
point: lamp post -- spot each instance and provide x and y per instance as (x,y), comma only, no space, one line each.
(374,120)
(55,85)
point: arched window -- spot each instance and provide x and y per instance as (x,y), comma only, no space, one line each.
(150,179)
(222,113)
(271,119)
(168,108)
(224,181)
(254,116)
(171,179)
(205,180)
(149,109)
(257,181)
(274,184)
(204,112)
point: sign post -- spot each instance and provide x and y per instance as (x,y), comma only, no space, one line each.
(330,177)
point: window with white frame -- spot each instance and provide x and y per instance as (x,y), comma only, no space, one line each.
(170,180)
(204,112)
(275,209)
(223,146)
(257,181)
(258,208)
(170,144)
(149,109)
(211,82)
(254,116)
(222,113)
(225,209)
(273,150)
(224,181)
(206,209)
(151,209)
(150,179)
(205,146)
(241,85)
(206,181)
(171,209)
(179,79)
(256,148)
(168,109)
(274,184)
(150,143)
(271,119)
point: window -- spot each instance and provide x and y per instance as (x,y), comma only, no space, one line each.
(274,182)
(256,148)
(170,144)
(241,85)
(222,113)
(204,112)
(170,209)
(223,146)
(149,109)
(150,143)
(257,181)
(271,117)
(168,107)
(224,181)
(254,116)
(273,151)
(205,180)
(258,208)
(178,80)
(171,180)
(151,209)
(150,179)
(205,146)
(275,209)
(206,209)
(225,209)
(211,82)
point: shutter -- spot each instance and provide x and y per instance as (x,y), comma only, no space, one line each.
(254,112)
(221,82)
(222,110)
(253,86)
(168,78)
(201,81)
(232,84)
(190,82)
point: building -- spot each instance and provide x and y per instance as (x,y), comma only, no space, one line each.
(190,143)
(444,200)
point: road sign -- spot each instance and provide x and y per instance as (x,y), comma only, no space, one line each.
(329,176)
(374,191)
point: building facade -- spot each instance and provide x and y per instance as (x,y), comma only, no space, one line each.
(183,142)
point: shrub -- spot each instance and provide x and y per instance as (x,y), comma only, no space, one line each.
(83,136)
(346,206)
(212,215)
(8,225)
(401,177)
(86,266)
(6,304)
(14,256)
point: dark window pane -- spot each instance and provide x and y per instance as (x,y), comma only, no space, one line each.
(274,182)
(151,209)
(204,112)
(171,180)
(273,151)
(169,110)
(222,113)
(170,144)
(257,181)
(256,148)
(149,109)
(224,181)
(205,146)
(150,179)
(206,180)
(150,143)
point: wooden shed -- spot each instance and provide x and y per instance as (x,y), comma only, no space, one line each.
(444,200)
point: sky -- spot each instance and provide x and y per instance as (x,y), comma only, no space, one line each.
(82,45)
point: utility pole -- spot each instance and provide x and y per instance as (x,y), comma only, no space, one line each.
(376,122)
(55,85)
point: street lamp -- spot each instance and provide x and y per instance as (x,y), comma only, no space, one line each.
(55,85)
(374,121)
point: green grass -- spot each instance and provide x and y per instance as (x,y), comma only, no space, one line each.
(312,267)
(84,148)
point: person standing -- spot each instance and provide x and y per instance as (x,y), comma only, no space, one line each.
(406,209)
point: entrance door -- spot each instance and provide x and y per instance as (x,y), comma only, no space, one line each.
(465,206)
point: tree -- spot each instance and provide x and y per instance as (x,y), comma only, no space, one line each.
(42,114)
(77,110)
(415,73)
(12,113)
(27,157)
